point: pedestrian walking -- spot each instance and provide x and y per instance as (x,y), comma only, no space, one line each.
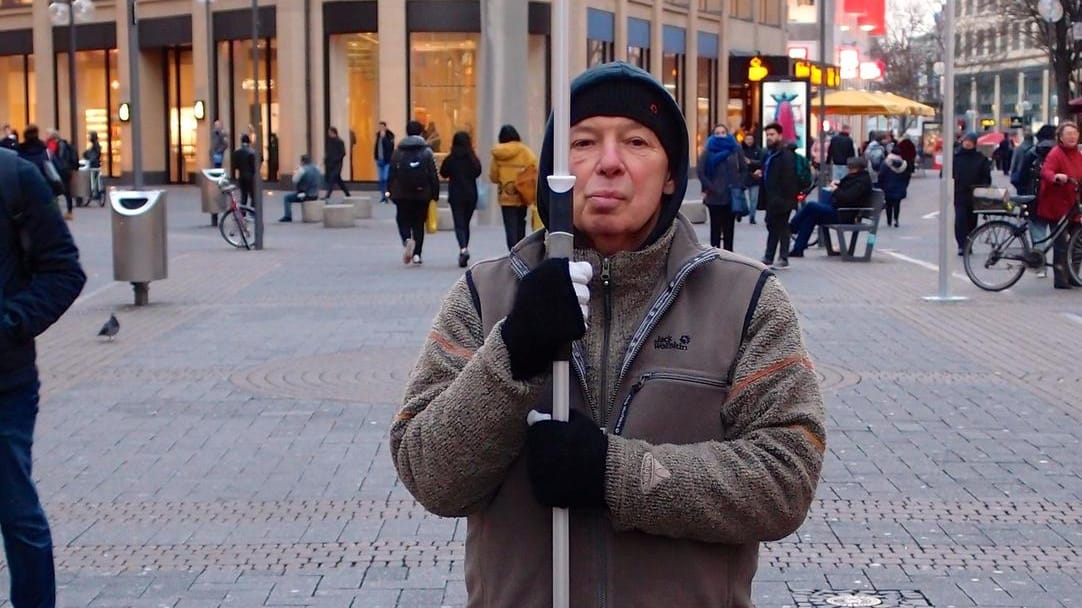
(839,151)
(384,148)
(305,187)
(219,145)
(244,167)
(875,154)
(1004,152)
(33,150)
(461,169)
(971,169)
(894,181)
(413,184)
(1058,195)
(672,488)
(66,162)
(1018,161)
(92,156)
(510,157)
(720,169)
(40,277)
(778,196)
(753,156)
(908,151)
(332,162)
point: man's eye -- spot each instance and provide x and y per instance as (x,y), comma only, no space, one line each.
(638,142)
(581,143)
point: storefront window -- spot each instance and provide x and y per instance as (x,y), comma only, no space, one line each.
(672,69)
(240,105)
(598,52)
(443,85)
(97,87)
(706,98)
(183,127)
(17,74)
(639,56)
(356,113)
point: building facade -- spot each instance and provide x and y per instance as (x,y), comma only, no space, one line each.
(999,73)
(452,64)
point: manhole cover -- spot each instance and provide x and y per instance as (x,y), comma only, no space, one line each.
(854,600)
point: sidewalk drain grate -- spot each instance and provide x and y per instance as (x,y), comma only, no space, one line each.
(883,598)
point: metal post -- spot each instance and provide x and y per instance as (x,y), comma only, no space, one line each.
(136,107)
(257,184)
(823,160)
(212,82)
(561,244)
(72,86)
(946,183)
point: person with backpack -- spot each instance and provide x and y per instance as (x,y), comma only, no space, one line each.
(875,154)
(33,150)
(779,194)
(721,169)
(40,277)
(413,183)
(63,157)
(510,157)
(462,168)
(805,173)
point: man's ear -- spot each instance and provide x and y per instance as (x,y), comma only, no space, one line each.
(670,185)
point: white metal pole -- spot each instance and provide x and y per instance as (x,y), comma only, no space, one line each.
(561,244)
(946,183)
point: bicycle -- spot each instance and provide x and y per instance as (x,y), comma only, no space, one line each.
(237,224)
(998,252)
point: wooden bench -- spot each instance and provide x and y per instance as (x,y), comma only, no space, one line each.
(866,221)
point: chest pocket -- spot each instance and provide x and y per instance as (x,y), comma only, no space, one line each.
(674,407)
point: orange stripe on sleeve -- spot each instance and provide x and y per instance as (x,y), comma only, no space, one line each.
(450,347)
(773,369)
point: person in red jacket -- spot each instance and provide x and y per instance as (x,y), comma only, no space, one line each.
(1063,164)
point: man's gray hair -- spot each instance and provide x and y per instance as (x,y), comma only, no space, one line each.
(856,162)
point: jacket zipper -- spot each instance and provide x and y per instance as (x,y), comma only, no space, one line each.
(621,419)
(602,406)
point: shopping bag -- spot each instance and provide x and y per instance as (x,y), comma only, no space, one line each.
(432,221)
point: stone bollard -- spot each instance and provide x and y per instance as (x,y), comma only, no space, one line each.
(694,210)
(362,206)
(338,216)
(312,211)
(444,219)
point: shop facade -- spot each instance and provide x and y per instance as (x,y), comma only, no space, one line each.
(350,64)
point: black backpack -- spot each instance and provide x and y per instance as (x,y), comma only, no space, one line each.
(411,179)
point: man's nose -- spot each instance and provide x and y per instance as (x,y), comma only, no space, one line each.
(611,161)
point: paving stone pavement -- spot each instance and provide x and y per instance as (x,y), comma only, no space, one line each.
(229,447)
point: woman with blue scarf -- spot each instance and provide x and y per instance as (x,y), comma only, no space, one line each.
(721,168)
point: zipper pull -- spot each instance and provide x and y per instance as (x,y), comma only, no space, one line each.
(606,273)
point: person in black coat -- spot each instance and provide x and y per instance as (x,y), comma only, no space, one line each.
(753,158)
(382,152)
(778,196)
(721,167)
(244,167)
(971,169)
(462,168)
(332,163)
(40,277)
(840,150)
(852,191)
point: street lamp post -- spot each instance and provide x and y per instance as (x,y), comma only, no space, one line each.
(257,183)
(68,12)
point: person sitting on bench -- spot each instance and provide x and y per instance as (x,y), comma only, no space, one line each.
(305,184)
(853,190)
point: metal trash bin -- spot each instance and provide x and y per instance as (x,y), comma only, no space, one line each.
(212,198)
(140,252)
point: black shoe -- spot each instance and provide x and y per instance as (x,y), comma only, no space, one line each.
(781,264)
(961,251)
(796,254)
(896,224)
(766,262)
(1062,285)
(285,219)
(463,259)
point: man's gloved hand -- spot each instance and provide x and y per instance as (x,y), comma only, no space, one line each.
(566,461)
(550,310)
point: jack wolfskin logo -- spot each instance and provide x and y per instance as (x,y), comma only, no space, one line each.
(652,473)
(668,343)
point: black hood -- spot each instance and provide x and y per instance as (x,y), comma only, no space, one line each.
(678,161)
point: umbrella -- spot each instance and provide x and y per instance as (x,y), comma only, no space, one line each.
(863,103)
(560,245)
(990,139)
(913,108)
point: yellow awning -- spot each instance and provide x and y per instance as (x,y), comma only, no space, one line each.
(862,103)
(913,108)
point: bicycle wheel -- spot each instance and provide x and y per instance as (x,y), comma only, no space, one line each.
(238,227)
(993,255)
(1074,256)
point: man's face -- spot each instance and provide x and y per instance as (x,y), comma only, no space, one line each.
(772,137)
(621,172)
(969,144)
(382,127)
(748,139)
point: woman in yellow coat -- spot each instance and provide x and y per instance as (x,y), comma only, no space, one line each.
(509,158)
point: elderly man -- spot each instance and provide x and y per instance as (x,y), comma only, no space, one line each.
(696,429)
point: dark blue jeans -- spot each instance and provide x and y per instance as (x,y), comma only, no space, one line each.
(27,541)
(807,219)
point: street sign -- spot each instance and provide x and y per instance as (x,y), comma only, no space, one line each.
(1017,122)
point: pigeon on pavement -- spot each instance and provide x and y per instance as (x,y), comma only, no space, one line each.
(111,328)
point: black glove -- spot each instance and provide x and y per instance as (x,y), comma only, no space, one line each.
(545,317)
(566,462)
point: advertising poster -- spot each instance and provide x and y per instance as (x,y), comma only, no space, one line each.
(786,103)
(931,144)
